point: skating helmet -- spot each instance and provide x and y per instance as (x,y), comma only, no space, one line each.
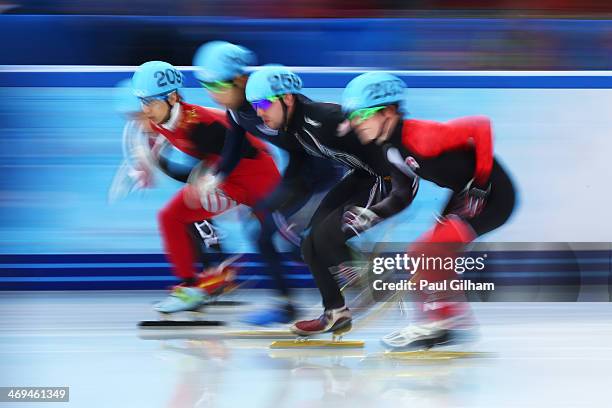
(270,81)
(372,89)
(156,79)
(219,61)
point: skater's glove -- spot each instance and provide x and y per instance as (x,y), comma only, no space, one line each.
(206,185)
(474,199)
(142,175)
(359,219)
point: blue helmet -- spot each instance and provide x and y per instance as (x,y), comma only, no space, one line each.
(221,61)
(372,89)
(123,96)
(156,78)
(272,80)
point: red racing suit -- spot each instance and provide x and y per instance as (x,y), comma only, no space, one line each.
(457,155)
(200,132)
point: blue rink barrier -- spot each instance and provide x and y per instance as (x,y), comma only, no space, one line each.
(119,271)
(88,271)
(561,269)
(322,77)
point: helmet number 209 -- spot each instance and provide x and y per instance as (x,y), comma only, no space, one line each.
(169,76)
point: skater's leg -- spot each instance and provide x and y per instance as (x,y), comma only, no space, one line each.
(251,180)
(440,313)
(444,311)
(175,221)
(322,249)
(198,246)
(499,206)
(327,285)
(325,248)
(453,229)
(289,196)
(271,257)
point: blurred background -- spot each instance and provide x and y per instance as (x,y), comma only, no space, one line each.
(538,34)
(539,69)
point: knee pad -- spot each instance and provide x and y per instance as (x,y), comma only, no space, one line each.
(451,229)
(446,239)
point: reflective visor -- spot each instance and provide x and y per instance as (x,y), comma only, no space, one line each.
(217,86)
(364,114)
(150,99)
(264,104)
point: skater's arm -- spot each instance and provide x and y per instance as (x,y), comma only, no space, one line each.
(140,151)
(404,186)
(234,145)
(138,144)
(429,138)
(477,131)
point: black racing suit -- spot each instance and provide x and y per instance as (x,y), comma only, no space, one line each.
(304,176)
(372,183)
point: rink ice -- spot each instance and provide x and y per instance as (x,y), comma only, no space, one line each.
(541,354)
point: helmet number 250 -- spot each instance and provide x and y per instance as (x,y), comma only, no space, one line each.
(284,82)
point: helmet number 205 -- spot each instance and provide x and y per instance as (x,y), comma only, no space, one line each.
(169,76)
